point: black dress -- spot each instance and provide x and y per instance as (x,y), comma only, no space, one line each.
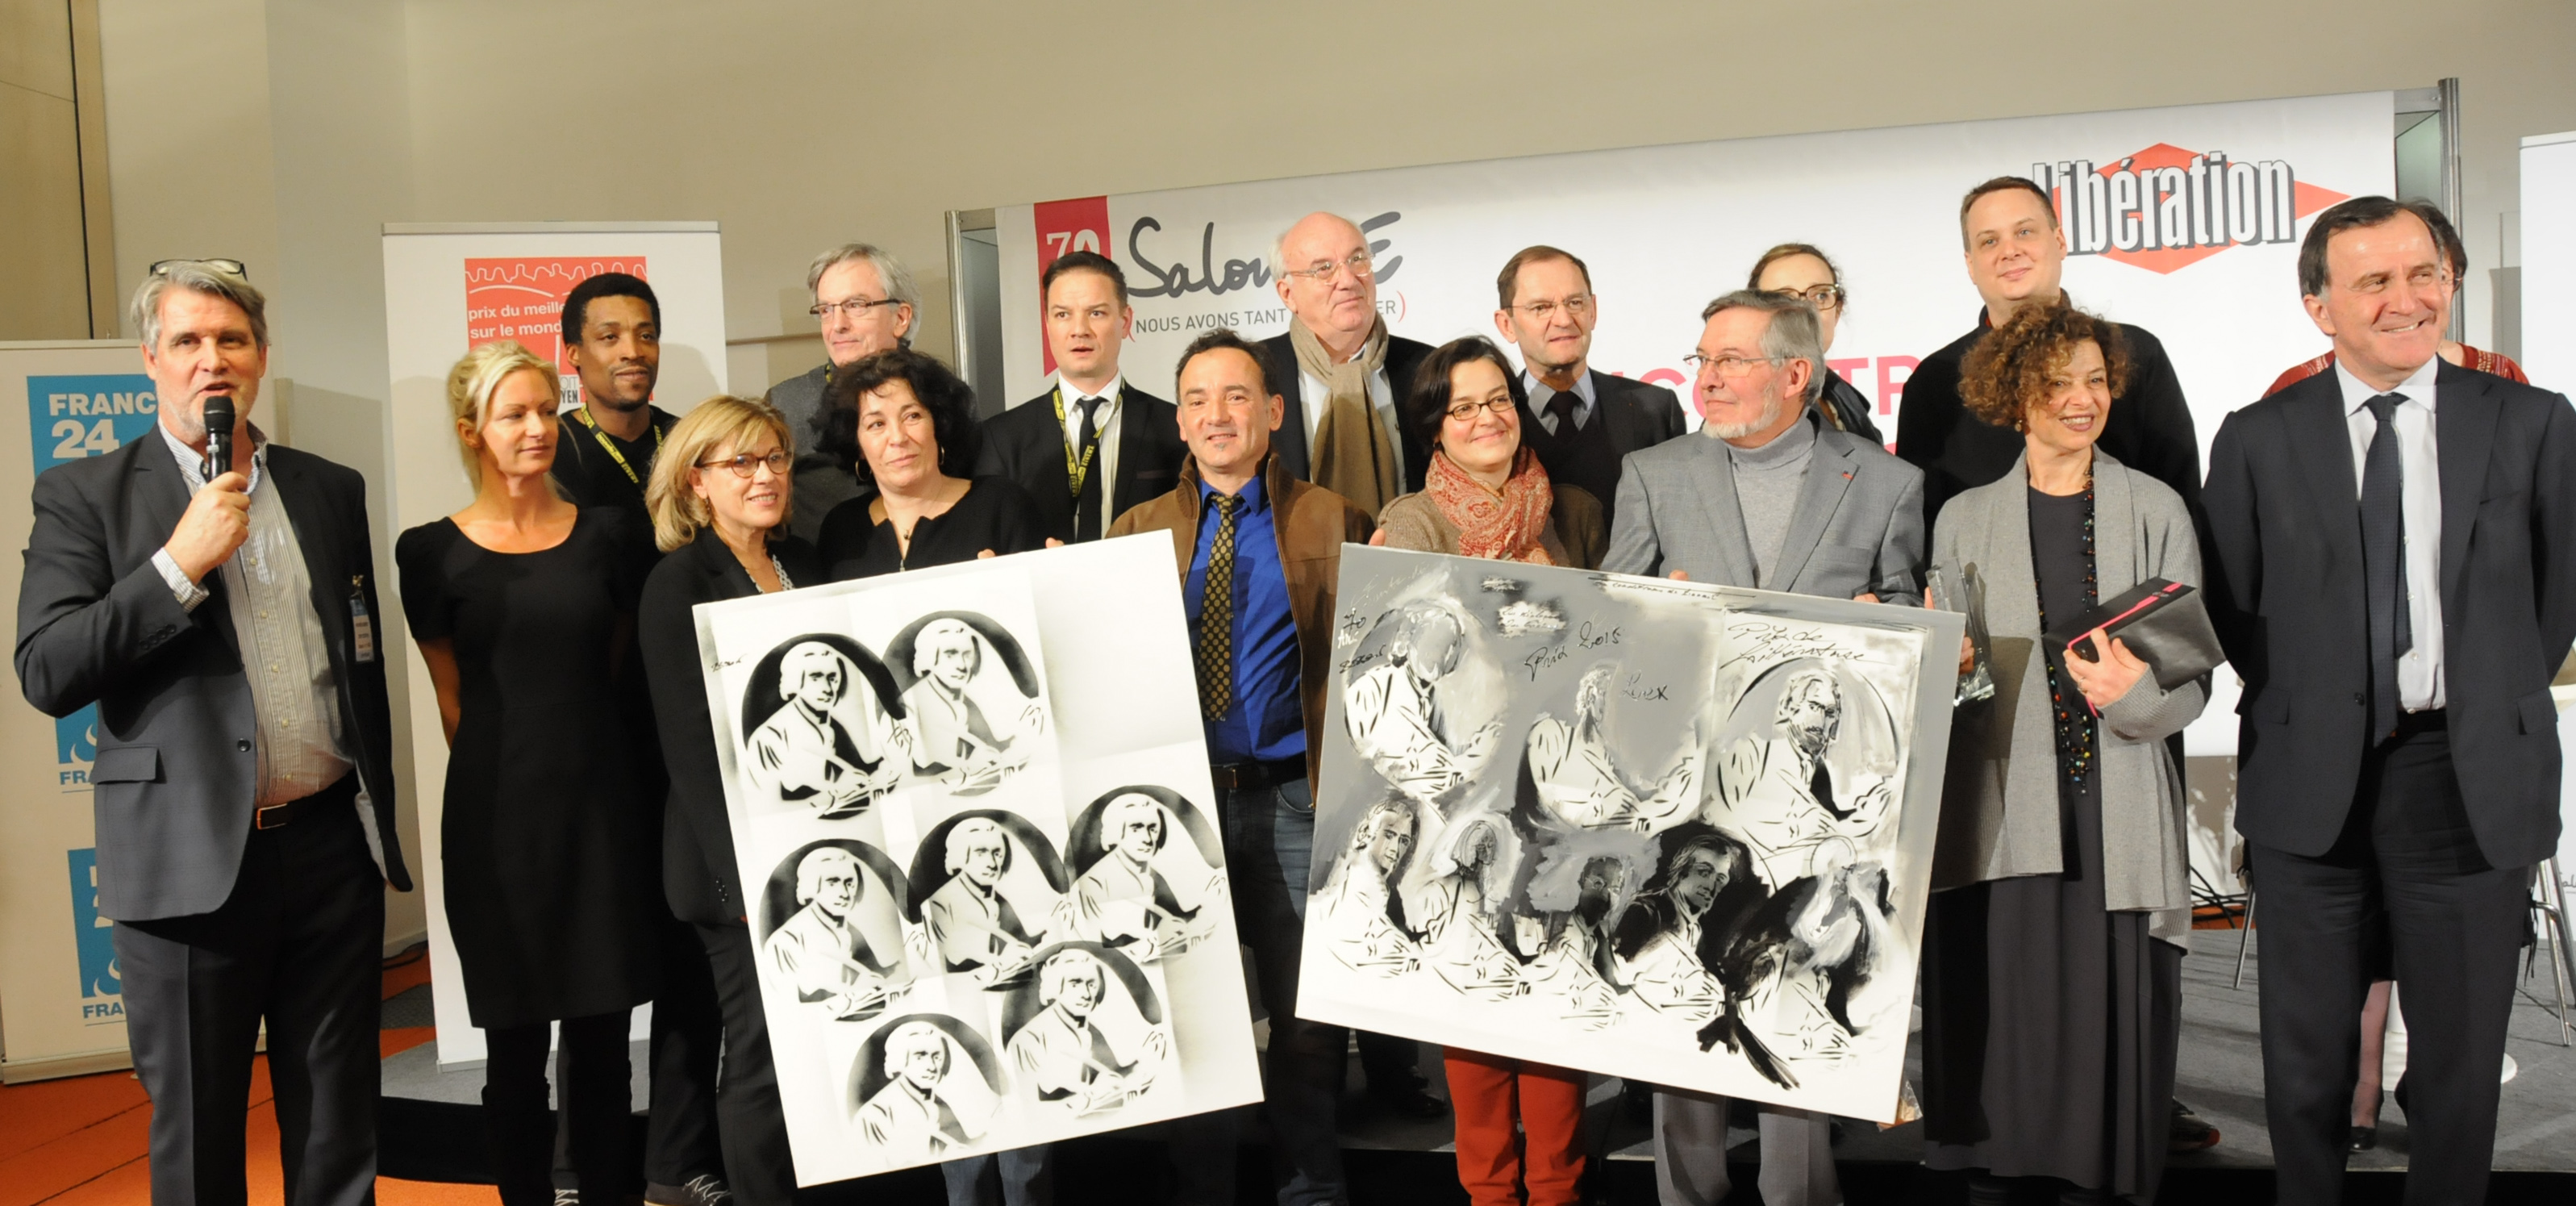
(2050,1024)
(552,879)
(995,514)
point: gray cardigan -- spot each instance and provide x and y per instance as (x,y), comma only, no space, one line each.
(1999,804)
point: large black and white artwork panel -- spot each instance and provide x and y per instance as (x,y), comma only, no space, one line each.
(973,807)
(1647,828)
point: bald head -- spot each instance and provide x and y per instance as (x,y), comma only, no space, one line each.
(1323,273)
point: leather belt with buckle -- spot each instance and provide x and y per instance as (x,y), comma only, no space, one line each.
(1240,776)
(276,816)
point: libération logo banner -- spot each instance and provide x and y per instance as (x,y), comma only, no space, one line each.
(2225,191)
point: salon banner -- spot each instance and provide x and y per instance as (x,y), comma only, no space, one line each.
(2185,221)
(62,1006)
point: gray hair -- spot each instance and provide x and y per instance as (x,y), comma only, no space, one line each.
(897,278)
(196,276)
(1792,335)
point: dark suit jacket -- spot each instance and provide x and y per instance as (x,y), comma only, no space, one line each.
(1288,444)
(1026,445)
(2286,592)
(699,873)
(177,763)
(1640,414)
(2150,428)
(1311,525)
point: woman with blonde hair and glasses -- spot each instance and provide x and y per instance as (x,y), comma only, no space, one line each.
(720,496)
(1803,270)
(523,606)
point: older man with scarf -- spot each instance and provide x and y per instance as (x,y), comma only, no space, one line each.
(1340,372)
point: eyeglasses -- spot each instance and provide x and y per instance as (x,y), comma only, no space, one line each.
(853,309)
(1577,307)
(235,267)
(1461,412)
(742,463)
(1822,297)
(1322,272)
(2421,278)
(1732,368)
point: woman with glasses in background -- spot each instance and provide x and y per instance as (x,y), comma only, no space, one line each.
(1802,270)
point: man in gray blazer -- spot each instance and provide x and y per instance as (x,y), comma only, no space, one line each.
(228,632)
(1772,499)
(866,301)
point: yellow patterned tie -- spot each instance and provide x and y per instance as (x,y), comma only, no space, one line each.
(1216,615)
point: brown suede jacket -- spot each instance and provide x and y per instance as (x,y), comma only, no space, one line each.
(1312,524)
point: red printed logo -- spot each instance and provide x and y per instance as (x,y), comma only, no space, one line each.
(2164,208)
(1081,224)
(521,298)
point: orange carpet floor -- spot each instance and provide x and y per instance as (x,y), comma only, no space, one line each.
(81,1140)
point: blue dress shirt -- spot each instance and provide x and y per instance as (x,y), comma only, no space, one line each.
(1265,720)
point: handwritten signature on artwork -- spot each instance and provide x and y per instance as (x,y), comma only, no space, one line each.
(1767,641)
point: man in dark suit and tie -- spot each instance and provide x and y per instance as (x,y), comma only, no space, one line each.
(1343,376)
(1093,445)
(1583,422)
(228,632)
(2389,573)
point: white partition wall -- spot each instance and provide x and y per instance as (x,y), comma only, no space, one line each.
(2549,260)
(447,289)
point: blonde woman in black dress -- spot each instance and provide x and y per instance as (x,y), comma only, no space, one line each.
(522,604)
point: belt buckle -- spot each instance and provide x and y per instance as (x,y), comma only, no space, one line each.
(259,816)
(1228,777)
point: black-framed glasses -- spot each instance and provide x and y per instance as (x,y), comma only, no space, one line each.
(852,309)
(235,267)
(1320,272)
(743,463)
(1822,297)
(1461,412)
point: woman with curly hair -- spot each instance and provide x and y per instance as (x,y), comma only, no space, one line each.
(904,424)
(2052,970)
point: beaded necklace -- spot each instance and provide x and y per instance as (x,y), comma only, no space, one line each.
(2074,718)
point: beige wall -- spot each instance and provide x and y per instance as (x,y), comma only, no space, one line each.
(286,131)
(47,296)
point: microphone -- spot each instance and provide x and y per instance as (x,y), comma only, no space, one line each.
(219,435)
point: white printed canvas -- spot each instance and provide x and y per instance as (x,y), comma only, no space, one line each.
(972,809)
(1659,830)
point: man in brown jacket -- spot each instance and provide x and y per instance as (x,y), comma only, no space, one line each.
(1260,552)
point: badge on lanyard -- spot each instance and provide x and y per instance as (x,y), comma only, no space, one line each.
(362,627)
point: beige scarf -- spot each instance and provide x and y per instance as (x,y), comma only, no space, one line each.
(1351,456)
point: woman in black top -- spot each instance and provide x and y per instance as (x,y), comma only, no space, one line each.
(719,497)
(1802,270)
(906,425)
(523,606)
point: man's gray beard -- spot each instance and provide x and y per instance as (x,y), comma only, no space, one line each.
(1762,422)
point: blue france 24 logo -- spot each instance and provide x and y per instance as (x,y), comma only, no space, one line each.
(94,936)
(71,418)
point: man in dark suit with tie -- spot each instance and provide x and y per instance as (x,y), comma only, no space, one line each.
(1338,368)
(1093,445)
(2389,574)
(244,790)
(1583,422)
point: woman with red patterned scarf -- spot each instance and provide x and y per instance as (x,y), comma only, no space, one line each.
(1485,495)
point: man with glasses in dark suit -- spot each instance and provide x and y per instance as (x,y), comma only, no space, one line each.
(1582,422)
(866,302)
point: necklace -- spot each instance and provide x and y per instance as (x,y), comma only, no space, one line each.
(2073,717)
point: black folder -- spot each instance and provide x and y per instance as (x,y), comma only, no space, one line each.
(2164,623)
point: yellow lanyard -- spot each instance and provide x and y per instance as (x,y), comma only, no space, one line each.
(583,414)
(1076,472)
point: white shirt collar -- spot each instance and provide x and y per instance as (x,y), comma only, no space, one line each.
(1582,386)
(2418,386)
(1074,394)
(192,462)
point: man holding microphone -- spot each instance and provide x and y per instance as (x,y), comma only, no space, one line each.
(226,629)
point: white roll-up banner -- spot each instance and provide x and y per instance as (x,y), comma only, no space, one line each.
(2549,260)
(449,289)
(62,1006)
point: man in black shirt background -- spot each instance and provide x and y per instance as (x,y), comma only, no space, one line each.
(612,333)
